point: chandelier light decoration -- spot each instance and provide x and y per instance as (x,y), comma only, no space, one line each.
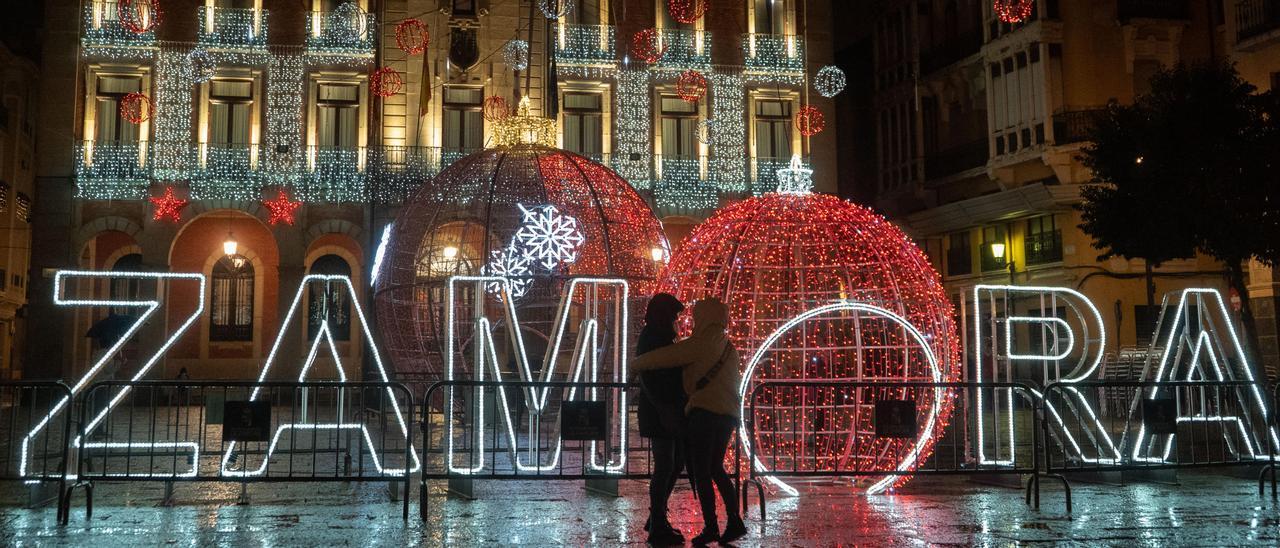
(829,81)
(168,207)
(202,65)
(516,54)
(822,289)
(691,86)
(412,36)
(646,47)
(687,11)
(136,108)
(281,209)
(385,82)
(810,121)
(524,128)
(139,16)
(1013,11)
(555,9)
(495,108)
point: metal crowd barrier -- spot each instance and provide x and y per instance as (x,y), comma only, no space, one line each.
(245,432)
(1165,426)
(1270,468)
(35,449)
(801,430)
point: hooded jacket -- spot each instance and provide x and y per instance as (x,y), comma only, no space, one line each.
(699,356)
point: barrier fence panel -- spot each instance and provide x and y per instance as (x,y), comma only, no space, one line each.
(35,449)
(875,433)
(1164,426)
(245,432)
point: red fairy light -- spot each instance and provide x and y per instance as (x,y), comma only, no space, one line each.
(136,108)
(691,86)
(1013,11)
(645,46)
(168,207)
(412,36)
(810,121)
(385,82)
(774,257)
(281,209)
(495,108)
(687,11)
(139,16)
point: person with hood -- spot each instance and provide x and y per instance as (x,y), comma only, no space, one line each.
(660,410)
(709,366)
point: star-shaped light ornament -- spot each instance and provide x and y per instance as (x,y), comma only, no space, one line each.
(168,207)
(548,236)
(795,179)
(281,209)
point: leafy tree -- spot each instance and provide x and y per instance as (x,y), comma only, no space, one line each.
(1191,166)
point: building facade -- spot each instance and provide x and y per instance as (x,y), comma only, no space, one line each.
(238,107)
(18,81)
(979,125)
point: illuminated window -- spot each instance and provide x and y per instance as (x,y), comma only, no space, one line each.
(110,126)
(338,115)
(773,130)
(329,301)
(231,313)
(585,12)
(463,119)
(1043,242)
(230,108)
(769,16)
(679,128)
(583,124)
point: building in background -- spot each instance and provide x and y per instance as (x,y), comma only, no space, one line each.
(979,125)
(254,103)
(19,75)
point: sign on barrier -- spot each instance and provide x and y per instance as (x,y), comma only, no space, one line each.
(896,419)
(246,421)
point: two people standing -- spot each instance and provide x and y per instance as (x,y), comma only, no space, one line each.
(707,367)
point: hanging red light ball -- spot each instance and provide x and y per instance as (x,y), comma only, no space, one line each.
(412,36)
(645,46)
(810,121)
(385,82)
(136,108)
(691,86)
(775,257)
(139,16)
(687,11)
(495,108)
(1013,11)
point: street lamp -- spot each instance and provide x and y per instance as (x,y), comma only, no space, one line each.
(229,247)
(997,251)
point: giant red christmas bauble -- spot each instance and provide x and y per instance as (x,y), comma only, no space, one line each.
(774,257)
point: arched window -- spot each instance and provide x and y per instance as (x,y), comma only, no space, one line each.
(329,301)
(126,289)
(232,311)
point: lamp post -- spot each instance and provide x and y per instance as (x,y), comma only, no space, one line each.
(997,251)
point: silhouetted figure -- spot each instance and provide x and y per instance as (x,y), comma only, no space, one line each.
(660,411)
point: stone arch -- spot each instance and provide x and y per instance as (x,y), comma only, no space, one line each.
(333,226)
(91,229)
(250,208)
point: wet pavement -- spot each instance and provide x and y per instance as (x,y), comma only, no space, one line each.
(1202,510)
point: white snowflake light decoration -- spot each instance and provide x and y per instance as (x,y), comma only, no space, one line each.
(548,237)
(512,264)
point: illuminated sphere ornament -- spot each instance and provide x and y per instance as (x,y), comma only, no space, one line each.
(139,16)
(1013,11)
(201,65)
(534,214)
(516,54)
(349,22)
(136,108)
(810,121)
(385,82)
(829,81)
(706,131)
(687,11)
(495,108)
(644,45)
(691,86)
(412,36)
(555,9)
(777,257)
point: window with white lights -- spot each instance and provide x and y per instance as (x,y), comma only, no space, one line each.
(230,113)
(679,126)
(338,115)
(231,310)
(463,118)
(583,123)
(109,125)
(773,129)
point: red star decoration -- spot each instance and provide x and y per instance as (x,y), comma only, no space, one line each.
(281,209)
(168,206)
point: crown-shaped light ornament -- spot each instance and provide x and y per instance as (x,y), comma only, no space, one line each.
(525,128)
(795,179)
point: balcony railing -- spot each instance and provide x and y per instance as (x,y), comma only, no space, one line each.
(1044,247)
(951,51)
(685,48)
(1256,17)
(585,44)
(102,28)
(773,52)
(113,170)
(232,27)
(1152,9)
(956,159)
(1073,126)
(341,32)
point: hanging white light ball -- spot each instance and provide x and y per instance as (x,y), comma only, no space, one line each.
(706,131)
(829,81)
(202,65)
(516,54)
(555,9)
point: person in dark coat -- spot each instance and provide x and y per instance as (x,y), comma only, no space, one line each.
(660,411)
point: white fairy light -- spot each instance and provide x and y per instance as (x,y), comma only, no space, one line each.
(829,81)
(555,9)
(516,54)
(795,178)
(548,236)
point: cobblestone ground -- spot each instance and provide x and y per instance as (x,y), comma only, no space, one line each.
(1202,510)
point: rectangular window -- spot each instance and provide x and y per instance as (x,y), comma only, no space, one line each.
(110,127)
(230,108)
(770,17)
(583,124)
(1043,242)
(463,118)
(585,12)
(993,235)
(773,130)
(338,115)
(959,255)
(679,128)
